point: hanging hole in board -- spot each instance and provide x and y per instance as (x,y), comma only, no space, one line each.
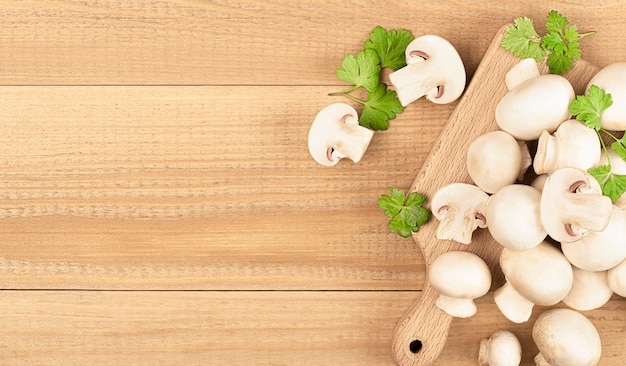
(415,346)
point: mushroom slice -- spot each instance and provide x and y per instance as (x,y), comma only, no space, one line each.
(336,134)
(460,209)
(514,217)
(459,278)
(572,204)
(600,250)
(501,349)
(434,69)
(537,276)
(612,79)
(566,337)
(573,145)
(533,105)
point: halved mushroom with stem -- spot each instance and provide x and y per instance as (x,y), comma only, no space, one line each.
(434,69)
(460,209)
(572,204)
(336,134)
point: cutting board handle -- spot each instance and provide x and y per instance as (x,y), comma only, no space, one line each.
(420,336)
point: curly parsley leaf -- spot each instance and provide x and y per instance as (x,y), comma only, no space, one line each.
(523,41)
(561,43)
(382,105)
(362,70)
(390,46)
(589,108)
(406,217)
(613,185)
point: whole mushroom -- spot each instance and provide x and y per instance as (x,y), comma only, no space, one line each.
(573,145)
(501,349)
(534,103)
(537,276)
(434,69)
(495,159)
(612,79)
(617,278)
(572,204)
(565,337)
(460,209)
(336,134)
(459,278)
(513,217)
(590,290)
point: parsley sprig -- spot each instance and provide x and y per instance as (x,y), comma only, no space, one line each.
(384,49)
(406,216)
(588,109)
(561,43)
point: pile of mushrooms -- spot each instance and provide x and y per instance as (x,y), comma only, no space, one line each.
(563,240)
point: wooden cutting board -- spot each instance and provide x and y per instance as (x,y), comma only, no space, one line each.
(422,331)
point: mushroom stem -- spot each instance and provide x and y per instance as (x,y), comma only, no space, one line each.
(522,71)
(595,208)
(460,308)
(459,226)
(416,80)
(512,304)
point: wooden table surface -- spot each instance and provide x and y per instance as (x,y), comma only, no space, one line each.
(159,205)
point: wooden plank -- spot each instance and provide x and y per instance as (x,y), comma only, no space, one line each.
(249,41)
(197,187)
(242,328)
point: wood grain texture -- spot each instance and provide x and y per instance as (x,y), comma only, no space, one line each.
(158,204)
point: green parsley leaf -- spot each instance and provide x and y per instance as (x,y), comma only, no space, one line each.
(382,105)
(523,40)
(561,43)
(390,46)
(362,70)
(589,108)
(406,217)
(619,146)
(613,185)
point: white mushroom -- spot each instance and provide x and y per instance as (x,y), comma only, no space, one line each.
(513,217)
(336,134)
(539,181)
(434,69)
(573,145)
(590,290)
(501,349)
(565,337)
(617,278)
(459,278)
(495,159)
(537,276)
(600,250)
(533,103)
(612,79)
(460,209)
(572,204)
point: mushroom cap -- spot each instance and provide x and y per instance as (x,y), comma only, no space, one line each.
(567,338)
(590,290)
(617,278)
(537,104)
(459,277)
(572,204)
(600,250)
(434,69)
(335,133)
(540,274)
(501,349)
(494,160)
(618,166)
(513,217)
(612,79)
(460,209)
(573,145)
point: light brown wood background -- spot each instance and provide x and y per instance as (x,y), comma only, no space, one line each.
(158,204)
